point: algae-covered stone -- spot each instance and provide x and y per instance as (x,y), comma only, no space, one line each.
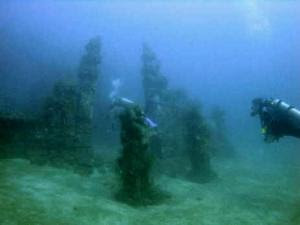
(220,144)
(154,83)
(16,134)
(68,116)
(197,139)
(88,76)
(87,80)
(135,162)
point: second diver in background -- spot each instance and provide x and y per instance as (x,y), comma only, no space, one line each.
(278,119)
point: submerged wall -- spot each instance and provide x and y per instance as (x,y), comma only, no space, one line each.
(61,135)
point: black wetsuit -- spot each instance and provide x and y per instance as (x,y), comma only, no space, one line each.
(280,124)
(277,122)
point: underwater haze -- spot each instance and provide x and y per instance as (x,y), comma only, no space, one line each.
(61,65)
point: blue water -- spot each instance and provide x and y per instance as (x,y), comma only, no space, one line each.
(221,52)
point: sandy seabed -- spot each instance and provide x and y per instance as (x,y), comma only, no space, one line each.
(244,194)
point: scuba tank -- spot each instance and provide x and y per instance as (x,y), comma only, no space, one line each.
(290,110)
(277,117)
(285,120)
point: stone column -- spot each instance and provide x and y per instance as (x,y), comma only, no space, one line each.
(87,81)
(197,139)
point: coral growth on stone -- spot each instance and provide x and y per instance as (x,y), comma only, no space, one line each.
(197,139)
(220,144)
(135,162)
(61,136)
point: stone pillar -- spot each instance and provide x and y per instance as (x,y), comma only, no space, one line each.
(135,161)
(154,83)
(87,81)
(220,145)
(155,86)
(197,138)
(68,116)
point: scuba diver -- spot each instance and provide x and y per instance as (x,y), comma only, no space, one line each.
(277,118)
(122,103)
(127,103)
(155,142)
